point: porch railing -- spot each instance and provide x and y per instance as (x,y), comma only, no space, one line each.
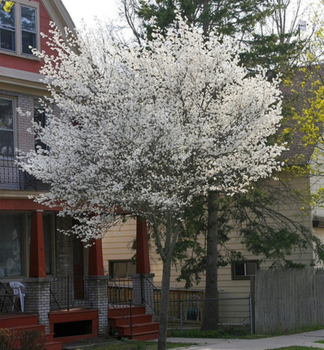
(67,292)
(154,308)
(120,298)
(186,308)
(189,313)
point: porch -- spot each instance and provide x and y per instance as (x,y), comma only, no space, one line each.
(72,304)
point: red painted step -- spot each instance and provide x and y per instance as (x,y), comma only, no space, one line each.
(23,322)
(142,326)
(17,320)
(53,346)
(125,311)
(146,336)
(124,321)
(39,327)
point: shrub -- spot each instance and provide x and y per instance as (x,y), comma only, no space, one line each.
(7,339)
(28,340)
(31,340)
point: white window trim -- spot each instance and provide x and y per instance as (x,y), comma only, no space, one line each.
(18,31)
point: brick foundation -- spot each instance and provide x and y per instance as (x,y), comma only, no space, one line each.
(97,293)
(37,299)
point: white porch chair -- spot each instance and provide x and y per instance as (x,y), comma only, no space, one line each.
(19,292)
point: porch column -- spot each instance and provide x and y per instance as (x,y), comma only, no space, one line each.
(96,267)
(143,288)
(97,286)
(37,298)
(37,266)
(142,248)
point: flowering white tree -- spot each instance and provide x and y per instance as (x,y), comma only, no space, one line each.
(147,129)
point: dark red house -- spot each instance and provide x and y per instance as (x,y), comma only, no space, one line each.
(33,250)
(66,291)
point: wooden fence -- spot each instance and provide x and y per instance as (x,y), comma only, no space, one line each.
(288,299)
(186,307)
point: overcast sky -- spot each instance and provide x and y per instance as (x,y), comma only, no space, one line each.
(89,9)
(107,10)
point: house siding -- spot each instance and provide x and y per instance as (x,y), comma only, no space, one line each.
(29,64)
(118,242)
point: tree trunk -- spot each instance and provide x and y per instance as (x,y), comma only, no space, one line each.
(164,302)
(206,10)
(210,320)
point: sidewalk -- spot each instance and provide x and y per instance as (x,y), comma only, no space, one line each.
(300,339)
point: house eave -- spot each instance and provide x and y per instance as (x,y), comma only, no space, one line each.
(21,81)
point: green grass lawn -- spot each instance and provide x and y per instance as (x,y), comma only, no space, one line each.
(298,348)
(135,345)
(231,332)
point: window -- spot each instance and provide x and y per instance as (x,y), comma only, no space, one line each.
(11,248)
(15,242)
(122,269)
(6,128)
(242,270)
(7,29)
(28,29)
(19,29)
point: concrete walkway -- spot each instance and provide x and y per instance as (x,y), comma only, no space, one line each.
(300,339)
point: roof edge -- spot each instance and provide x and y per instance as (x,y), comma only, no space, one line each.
(59,14)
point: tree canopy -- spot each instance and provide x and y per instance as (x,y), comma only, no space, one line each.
(147,129)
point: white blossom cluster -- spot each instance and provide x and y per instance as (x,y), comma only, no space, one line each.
(147,129)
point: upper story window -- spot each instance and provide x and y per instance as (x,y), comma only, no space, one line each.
(28,29)
(6,128)
(7,29)
(19,28)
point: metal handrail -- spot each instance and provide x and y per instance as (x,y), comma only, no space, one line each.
(155,290)
(63,291)
(116,308)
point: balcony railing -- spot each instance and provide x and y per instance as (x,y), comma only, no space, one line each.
(10,175)
(12,178)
